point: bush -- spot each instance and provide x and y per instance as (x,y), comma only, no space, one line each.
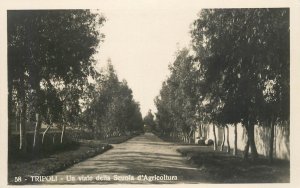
(201,141)
(209,142)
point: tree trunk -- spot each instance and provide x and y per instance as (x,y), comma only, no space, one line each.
(200,131)
(223,141)
(20,133)
(36,137)
(44,133)
(23,140)
(271,144)
(215,138)
(235,140)
(190,136)
(275,141)
(17,119)
(9,104)
(250,133)
(228,144)
(246,150)
(62,133)
(23,109)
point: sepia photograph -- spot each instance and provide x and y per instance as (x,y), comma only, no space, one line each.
(148,95)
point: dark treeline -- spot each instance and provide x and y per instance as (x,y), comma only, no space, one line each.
(236,72)
(52,80)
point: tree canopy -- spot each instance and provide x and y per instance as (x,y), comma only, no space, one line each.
(238,73)
(52,77)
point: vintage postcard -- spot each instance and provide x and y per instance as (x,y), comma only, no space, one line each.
(149,92)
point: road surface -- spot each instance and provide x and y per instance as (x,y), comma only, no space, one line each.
(145,159)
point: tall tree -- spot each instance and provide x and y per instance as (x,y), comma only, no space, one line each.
(111,110)
(149,121)
(235,48)
(55,47)
(179,92)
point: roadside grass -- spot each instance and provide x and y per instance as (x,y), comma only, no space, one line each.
(118,140)
(222,167)
(176,140)
(62,158)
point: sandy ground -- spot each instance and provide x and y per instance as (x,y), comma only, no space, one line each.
(145,159)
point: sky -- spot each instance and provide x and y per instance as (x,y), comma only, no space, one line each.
(141,43)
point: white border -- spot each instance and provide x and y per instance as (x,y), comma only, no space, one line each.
(162,4)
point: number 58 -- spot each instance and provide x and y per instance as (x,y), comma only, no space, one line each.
(18,179)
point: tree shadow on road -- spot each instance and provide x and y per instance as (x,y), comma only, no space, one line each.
(140,163)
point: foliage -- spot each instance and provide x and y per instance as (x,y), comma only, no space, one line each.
(241,52)
(238,73)
(112,110)
(178,97)
(52,77)
(149,121)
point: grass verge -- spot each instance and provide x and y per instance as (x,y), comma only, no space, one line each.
(58,161)
(222,167)
(118,140)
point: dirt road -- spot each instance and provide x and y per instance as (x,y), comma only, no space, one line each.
(143,159)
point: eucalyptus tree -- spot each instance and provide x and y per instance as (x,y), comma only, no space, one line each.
(149,120)
(136,123)
(276,76)
(112,110)
(163,115)
(49,47)
(238,56)
(100,107)
(179,94)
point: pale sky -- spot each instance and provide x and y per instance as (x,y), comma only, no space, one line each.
(141,43)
